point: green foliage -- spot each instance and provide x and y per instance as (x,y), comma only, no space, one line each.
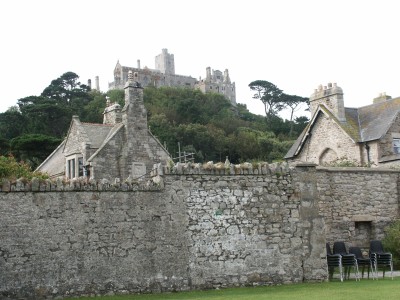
(270,96)
(391,242)
(33,148)
(205,124)
(117,96)
(11,169)
(342,162)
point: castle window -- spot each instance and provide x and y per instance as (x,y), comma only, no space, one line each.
(396,146)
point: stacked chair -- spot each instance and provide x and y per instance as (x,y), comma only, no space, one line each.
(349,260)
(363,261)
(380,258)
(334,261)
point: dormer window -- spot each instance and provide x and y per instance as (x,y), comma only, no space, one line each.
(396,145)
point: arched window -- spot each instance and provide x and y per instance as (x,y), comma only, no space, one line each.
(327,156)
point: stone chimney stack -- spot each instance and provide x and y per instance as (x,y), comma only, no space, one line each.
(138,64)
(331,97)
(381,98)
(97,83)
(89,83)
(112,113)
(134,114)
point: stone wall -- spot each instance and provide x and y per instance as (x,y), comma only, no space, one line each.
(357,203)
(189,232)
(327,134)
(191,228)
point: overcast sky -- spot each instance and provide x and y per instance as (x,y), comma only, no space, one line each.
(294,44)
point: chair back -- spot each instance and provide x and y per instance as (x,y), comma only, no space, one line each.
(328,249)
(376,247)
(339,248)
(356,251)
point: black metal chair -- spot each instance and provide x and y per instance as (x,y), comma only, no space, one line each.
(333,260)
(380,257)
(363,261)
(348,260)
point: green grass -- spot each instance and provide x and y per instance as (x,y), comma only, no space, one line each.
(385,289)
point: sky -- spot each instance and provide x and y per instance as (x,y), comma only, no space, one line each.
(297,45)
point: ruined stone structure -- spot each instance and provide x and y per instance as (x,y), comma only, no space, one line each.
(369,135)
(193,227)
(164,75)
(122,147)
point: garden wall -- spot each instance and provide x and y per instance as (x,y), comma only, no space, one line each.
(188,229)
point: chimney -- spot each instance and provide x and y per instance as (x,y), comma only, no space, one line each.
(89,83)
(97,83)
(381,98)
(138,64)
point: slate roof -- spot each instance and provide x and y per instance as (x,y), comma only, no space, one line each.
(362,124)
(96,133)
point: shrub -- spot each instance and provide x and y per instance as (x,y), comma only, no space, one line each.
(11,169)
(391,242)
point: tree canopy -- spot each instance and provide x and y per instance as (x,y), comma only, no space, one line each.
(205,124)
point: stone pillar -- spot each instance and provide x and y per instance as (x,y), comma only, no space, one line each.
(313,229)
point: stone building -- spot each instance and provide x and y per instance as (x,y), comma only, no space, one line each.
(218,83)
(368,135)
(164,75)
(122,147)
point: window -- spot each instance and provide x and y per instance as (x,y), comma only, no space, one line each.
(71,168)
(396,145)
(74,167)
(80,166)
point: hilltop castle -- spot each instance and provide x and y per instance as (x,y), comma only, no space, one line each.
(164,75)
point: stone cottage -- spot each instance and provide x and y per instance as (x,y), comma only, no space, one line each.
(368,135)
(122,147)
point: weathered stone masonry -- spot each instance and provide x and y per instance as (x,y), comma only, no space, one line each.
(193,231)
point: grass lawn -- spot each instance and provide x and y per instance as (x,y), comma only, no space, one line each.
(382,289)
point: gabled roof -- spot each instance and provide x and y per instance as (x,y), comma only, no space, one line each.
(362,124)
(96,133)
(376,119)
(111,133)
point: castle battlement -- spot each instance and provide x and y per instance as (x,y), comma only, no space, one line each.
(164,75)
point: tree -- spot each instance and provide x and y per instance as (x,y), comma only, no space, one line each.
(33,148)
(292,102)
(12,123)
(270,96)
(67,89)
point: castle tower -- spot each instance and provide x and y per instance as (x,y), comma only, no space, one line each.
(208,74)
(165,62)
(330,96)
(226,76)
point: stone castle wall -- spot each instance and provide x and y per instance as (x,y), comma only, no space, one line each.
(196,228)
